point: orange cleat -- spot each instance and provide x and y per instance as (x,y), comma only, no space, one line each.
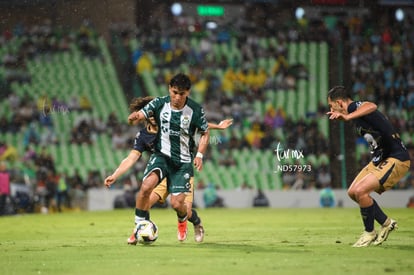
(182,231)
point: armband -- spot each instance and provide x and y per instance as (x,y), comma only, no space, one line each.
(199,155)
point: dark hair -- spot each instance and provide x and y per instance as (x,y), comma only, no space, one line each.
(181,81)
(338,92)
(139,102)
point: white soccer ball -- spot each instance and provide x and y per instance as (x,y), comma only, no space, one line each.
(146,232)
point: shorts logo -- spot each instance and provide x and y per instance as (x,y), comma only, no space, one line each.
(186,176)
(187,185)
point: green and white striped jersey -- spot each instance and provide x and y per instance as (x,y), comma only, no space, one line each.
(177,128)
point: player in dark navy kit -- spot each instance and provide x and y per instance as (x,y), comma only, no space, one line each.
(390,161)
(144,141)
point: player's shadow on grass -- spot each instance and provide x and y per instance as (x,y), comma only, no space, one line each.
(248,248)
(407,247)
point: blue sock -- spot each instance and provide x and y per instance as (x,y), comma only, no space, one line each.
(367,214)
(380,216)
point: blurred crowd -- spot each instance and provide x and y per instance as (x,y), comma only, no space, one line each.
(381,65)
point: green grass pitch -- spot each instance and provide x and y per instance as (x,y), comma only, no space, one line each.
(237,241)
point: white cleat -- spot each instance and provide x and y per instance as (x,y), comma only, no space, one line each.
(385,231)
(366,239)
(199,233)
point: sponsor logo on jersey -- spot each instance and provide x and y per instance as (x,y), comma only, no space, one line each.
(165,115)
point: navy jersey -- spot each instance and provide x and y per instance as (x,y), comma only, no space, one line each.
(144,141)
(379,133)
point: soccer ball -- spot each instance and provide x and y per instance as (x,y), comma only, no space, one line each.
(146,232)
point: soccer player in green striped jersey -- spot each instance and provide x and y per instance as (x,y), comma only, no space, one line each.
(178,118)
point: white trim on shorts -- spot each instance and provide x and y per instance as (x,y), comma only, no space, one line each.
(161,175)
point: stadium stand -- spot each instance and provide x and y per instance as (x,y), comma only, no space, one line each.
(227,75)
(56,78)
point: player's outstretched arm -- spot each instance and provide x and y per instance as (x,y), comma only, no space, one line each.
(224,124)
(125,164)
(366,108)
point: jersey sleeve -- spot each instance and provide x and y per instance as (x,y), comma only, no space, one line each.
(150,108)
(144,141)
(353,106)
(139,143)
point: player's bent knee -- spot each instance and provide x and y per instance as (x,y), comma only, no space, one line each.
(175,205)
(351,193)
(145,191)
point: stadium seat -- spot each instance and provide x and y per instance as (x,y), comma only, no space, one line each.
(281,98)
(323,125)
(323,71)
(302,98)
(292,53)
(323,159)
(313,69)
(303,53)
(291,104)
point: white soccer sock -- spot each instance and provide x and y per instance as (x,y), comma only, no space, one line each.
(138,219)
